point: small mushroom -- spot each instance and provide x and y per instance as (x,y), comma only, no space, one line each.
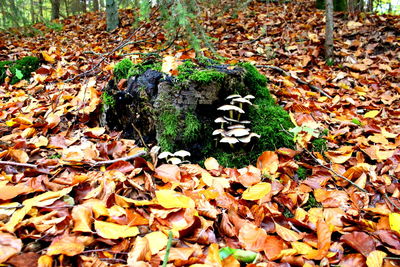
(182,154)
(236,126)
(236,121)
(174,161)
(230,140)
(232,96)
(247,139)
(238,132)
(231,108)
(241,100)
(219,131)
(165,155)
(249,97)
(221,120)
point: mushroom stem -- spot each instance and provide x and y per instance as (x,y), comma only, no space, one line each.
(231,114)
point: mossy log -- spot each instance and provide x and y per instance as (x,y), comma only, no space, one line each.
(179,112)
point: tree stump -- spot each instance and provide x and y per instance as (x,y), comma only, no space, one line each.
(179,112)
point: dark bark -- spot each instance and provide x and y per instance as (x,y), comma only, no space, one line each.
(55,9)
(96,5)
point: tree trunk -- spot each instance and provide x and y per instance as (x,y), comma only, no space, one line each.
(338,5)
(370,6)
(75,7)
(55,9)
(96,6)
(3,15)
(84,6)
(41,9)
(329,31)
(112,14)
(33,19)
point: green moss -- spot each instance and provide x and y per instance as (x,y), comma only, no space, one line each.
(54,26)
(122,68)
(287,213)
(207,76)
(319,145)
(139,69)
(311,202)
(20,69)
(186,69)
(192,128)
(169,121)
(302,173)
(107,99)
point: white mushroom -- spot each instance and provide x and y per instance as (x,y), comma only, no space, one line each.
(236,121)
(219,131)
(236,126)
(247,139)
(249,97)
(229,140)
(238,132)
(241,100)
(221,120)
(165,155)
(174,161)
(182,154)
(232,96)
(231,108)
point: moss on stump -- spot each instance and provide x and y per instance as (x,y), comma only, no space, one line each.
(179,112)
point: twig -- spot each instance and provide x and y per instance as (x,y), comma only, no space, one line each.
(335,173)
(11,207)
(313,87)
(391,202)
(105,162)
(12,163)
(168,249)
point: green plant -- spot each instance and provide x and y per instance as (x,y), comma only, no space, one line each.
(319,145)
(20,69)
(192,128)
(55,156)
(311,202)
(54,26)
(169,120)
(139,69)
(207,76)
(107,99)
(302,173)
(355,121)
(122,68)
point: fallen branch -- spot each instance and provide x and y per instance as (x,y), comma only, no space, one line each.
(93,164)
(313,87)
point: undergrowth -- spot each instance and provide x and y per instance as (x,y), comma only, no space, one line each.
(20,69)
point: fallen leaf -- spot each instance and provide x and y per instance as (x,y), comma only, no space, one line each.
(114,231)
(257,191)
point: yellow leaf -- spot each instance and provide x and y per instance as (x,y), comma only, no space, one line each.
(394,221)
(48,58)
(211,164)
(19,215)
(375,258)
(302,248)
(371,114)
(172,199)
(114,231)
(286,234)
(157,241)
(45,261)
(257,191)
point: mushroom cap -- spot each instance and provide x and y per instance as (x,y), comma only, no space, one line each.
(165,154)
(219,131)
(231,107)
(182,153)
(232,96)
(241,100)
(247,139)
(236,121)
(236,126)
(229,140)
(220,119)
(174,161)
(238,132)
(249,97)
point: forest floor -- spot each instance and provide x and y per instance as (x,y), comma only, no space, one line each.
(64,201)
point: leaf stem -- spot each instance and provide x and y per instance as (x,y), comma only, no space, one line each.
(168,249)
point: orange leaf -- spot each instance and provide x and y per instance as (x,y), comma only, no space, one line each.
(19,155)
(286,234)
(213,258)
(168,173)
(114,231)
(66,245)
(139,252)
(252,237)
(172,199)
(82,218)
(257,191)
(268,162)
(272,247)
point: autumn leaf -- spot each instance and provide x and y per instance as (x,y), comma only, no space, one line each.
(172,199)
(375,258)
(66,245)
(9,246)
(268,163)
(257,191)
(286,234)
(114,231)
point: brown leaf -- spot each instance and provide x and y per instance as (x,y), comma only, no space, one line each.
(25,259)
(66,245)
(9,246)
(360,241)
(252,237)
(268,163)
(139,252)
(168,173)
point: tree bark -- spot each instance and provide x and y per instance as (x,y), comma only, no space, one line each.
(33,19)
(329,30)
(55,9)
(112,14)
(96,5)
(84,6)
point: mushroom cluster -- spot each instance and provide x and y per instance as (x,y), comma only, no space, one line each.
(232,130)
(175,158)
